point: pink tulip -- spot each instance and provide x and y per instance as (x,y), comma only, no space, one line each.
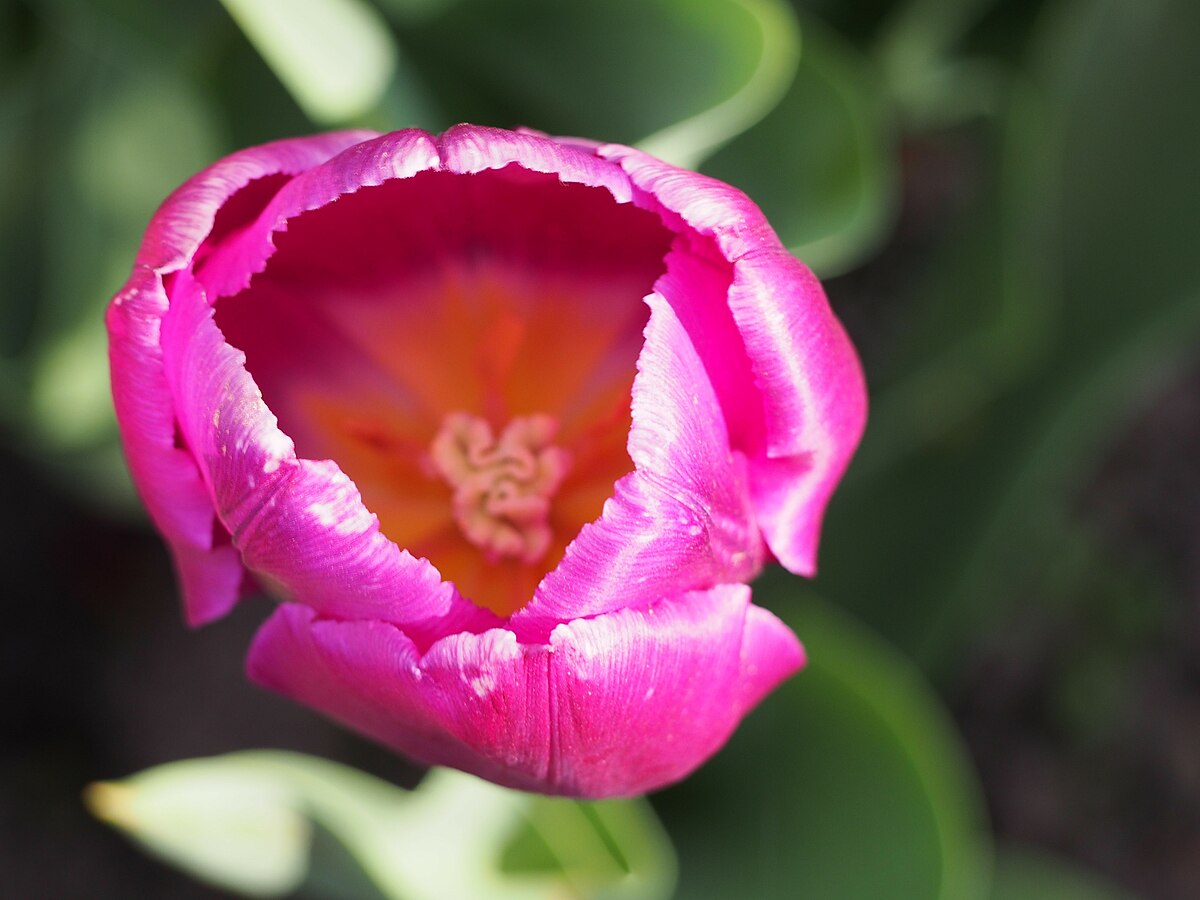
(505,422)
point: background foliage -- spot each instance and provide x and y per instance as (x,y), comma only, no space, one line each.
(1004,694)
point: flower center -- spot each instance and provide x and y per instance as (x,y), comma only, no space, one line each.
(507,299)
(502,486)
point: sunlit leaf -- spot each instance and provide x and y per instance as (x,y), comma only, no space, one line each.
(222,824)
(850,782)
(689,142)
(682,76)
(71,401)
(335,56)
(454,836)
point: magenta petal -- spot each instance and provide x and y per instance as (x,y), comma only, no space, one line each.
(164,472)
(612,706)
(682,520)
(233,436)
(640,651)
(816,399)
(473,148)
(312,539)
(186,218)
(299,525)
(812,388)
(166,475)
(400,154)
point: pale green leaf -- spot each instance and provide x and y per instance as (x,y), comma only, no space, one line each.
(691,141)
(221,824)
(823,163)
(454,836)
(336,57)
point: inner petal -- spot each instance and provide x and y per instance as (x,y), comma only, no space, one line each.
(502,310)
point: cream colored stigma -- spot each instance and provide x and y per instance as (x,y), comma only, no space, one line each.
(502,488)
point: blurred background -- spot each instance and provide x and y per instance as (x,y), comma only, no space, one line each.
(1003,199)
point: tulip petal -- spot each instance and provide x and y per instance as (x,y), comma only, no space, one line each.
(805,368)
(816,393)
(314,541)
(165,473)
(464,149)
(400,154)
(681,520)
(299,525)
(473,148)
(186,219)
(640,651)
(612,706)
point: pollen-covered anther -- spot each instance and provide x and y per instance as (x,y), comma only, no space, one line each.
(502,487)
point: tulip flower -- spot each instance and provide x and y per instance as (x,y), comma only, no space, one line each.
(506,424)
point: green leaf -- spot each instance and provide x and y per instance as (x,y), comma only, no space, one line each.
(679,76)
(1033,875)
(223,824)
(96,142)
(336,57)
(687,143)
(1072,296)
(129,150)
(849,782)
(917,53)
(822,163)
(454,836)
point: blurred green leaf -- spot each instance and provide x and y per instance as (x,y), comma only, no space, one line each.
(18,99)
(335,56)
(98,137)
(822,164)
(687,143)
(918,52)
(682,76)
(1071,295)
(415,10)
(71,400)
(130,149)
(243,821)
(224,824)
(1029,875)
(1130,314)
(849,782)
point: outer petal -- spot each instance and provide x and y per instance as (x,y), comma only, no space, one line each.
(186,218)
(681,520)
(812,390)
(463,149)
(164,472)
(616,705)
(300,525)
(368,163)
(473,148)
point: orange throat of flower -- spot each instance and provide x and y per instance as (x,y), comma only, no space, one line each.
(507,452)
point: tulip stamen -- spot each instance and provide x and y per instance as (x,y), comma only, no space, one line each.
(502,487)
